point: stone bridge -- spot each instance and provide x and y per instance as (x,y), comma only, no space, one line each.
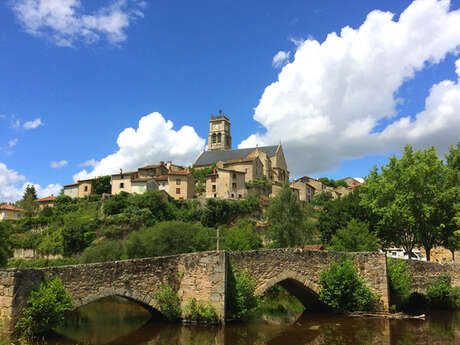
(204,276)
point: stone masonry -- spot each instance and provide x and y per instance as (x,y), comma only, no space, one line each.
(203,276)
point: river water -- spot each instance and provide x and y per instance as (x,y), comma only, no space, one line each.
(116,321)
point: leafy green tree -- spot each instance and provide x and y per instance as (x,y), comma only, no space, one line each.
(322,198)
(5,245)
(45,308)
(108,250)
(343,290)
(333,183)
(242,236)
(219,212)
(77,233)
(28,201)
(406,197)
(116,204)
(286,223)
(355,237)
(102,185)
(399,281)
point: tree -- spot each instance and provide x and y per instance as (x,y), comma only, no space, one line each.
(286,223)
(77,233)
(322,198)
(28,201)
(242,236)
(5,245)
(355,237)
(406,196)
(333,183)
(102,185)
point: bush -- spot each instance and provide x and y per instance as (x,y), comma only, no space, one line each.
(78,233)
(38,263)
(355,237)
(242,236)
(219,212)
(168,302)
(46,212)
(245,294)
(5,246)
(116,204)
(196,311)
(400,281)
(45,309)
(441,294)
(343,290)
(108,250)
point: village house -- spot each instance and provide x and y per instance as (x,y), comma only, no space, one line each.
(122,182)
(162,182)
(306,191)
(226,184)
(71,190)
(47,201)
(181,184)
(85,188)
(10,212)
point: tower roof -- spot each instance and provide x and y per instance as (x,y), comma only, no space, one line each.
(211,157)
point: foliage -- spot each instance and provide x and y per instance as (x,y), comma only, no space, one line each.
(218,211)
(28,201)
(343,290)
(46,212)
(168,238)
(322,198)
(77,233)
(51,241)
(406,195)
(242,236)
(241,299)
(187,211)
(399,280)
(286,225)
(441,294)
(199,312)
(355,237)
(168,302)
(116,204)
(107,250)
(200,174)
(333,183)
(45,308)
(277,302)
(102,185)
(5,245)
(39,263)
(258,183)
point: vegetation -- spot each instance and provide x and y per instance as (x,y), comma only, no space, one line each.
(241,298)
(355,237)
(196,311)
(28,202)
(102,185)
(333,183)
(5,246)
(219,212)
(45,308)
(168,302)
(241,236)
(39,263)
(342,290)
(286,221)
(442,295)
(400,282)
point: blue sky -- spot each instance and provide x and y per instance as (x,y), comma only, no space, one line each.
(90,70)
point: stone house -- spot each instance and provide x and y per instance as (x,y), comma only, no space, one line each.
(351,182)
(85,188)
(153,170)
(181,184)
(306,191)
(252,167)
(71,190)
(122,182)
(140,185)
(46,202)
(226,184)
(10,212)
(162,182)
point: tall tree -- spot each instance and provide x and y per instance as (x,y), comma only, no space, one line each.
(406,195)
(102,185)
(5,247)
(286,223)
(28,201)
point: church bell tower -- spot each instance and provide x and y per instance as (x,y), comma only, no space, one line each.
(219,137)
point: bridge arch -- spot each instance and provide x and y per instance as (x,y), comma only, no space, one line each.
(143,300)
(298,285)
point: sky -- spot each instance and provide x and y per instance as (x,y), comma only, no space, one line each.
(91,87)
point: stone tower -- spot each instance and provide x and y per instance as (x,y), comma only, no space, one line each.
(219,137)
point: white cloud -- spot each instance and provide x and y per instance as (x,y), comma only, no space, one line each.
(89,163)
(13,184)
(153,140)
(58,164)
(12,143)
(327,102)
(65,22)
(32,124)
(2,116)
(16,123)
(281,58)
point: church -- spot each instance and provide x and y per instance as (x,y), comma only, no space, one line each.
(235,168)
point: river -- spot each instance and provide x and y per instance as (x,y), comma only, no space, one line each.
(116,321)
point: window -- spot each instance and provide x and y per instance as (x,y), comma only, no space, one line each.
(122,185)
(234,185)
(219,138)
(239,196)
(178,182)
(233,195)
(214,138)
(213,179)
(213,187)
(86,188)
(234,175)
(177,190)
(215,195)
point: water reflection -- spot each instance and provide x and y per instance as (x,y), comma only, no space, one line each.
(115,321)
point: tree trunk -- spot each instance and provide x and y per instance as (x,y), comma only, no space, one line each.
(428,253)
(453,255)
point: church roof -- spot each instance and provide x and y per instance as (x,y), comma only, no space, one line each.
(211,157)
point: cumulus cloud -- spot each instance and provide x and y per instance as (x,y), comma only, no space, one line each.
(13,184)
(31,124)
(281,58)
(12,143)
(153,140)
(58,164)
(326,104)
(65,22)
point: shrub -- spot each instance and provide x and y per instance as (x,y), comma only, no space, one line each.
(343,290)
(74,233)
(116,204)
(168,302)
(196,311)
(46,212)
(108,250)
(245,294)
(5,247)
(441,294)
(400,281)
(38,263)
(242,236)
(45,309)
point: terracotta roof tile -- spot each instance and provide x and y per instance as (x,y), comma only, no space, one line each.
(47,198)
(10,208)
